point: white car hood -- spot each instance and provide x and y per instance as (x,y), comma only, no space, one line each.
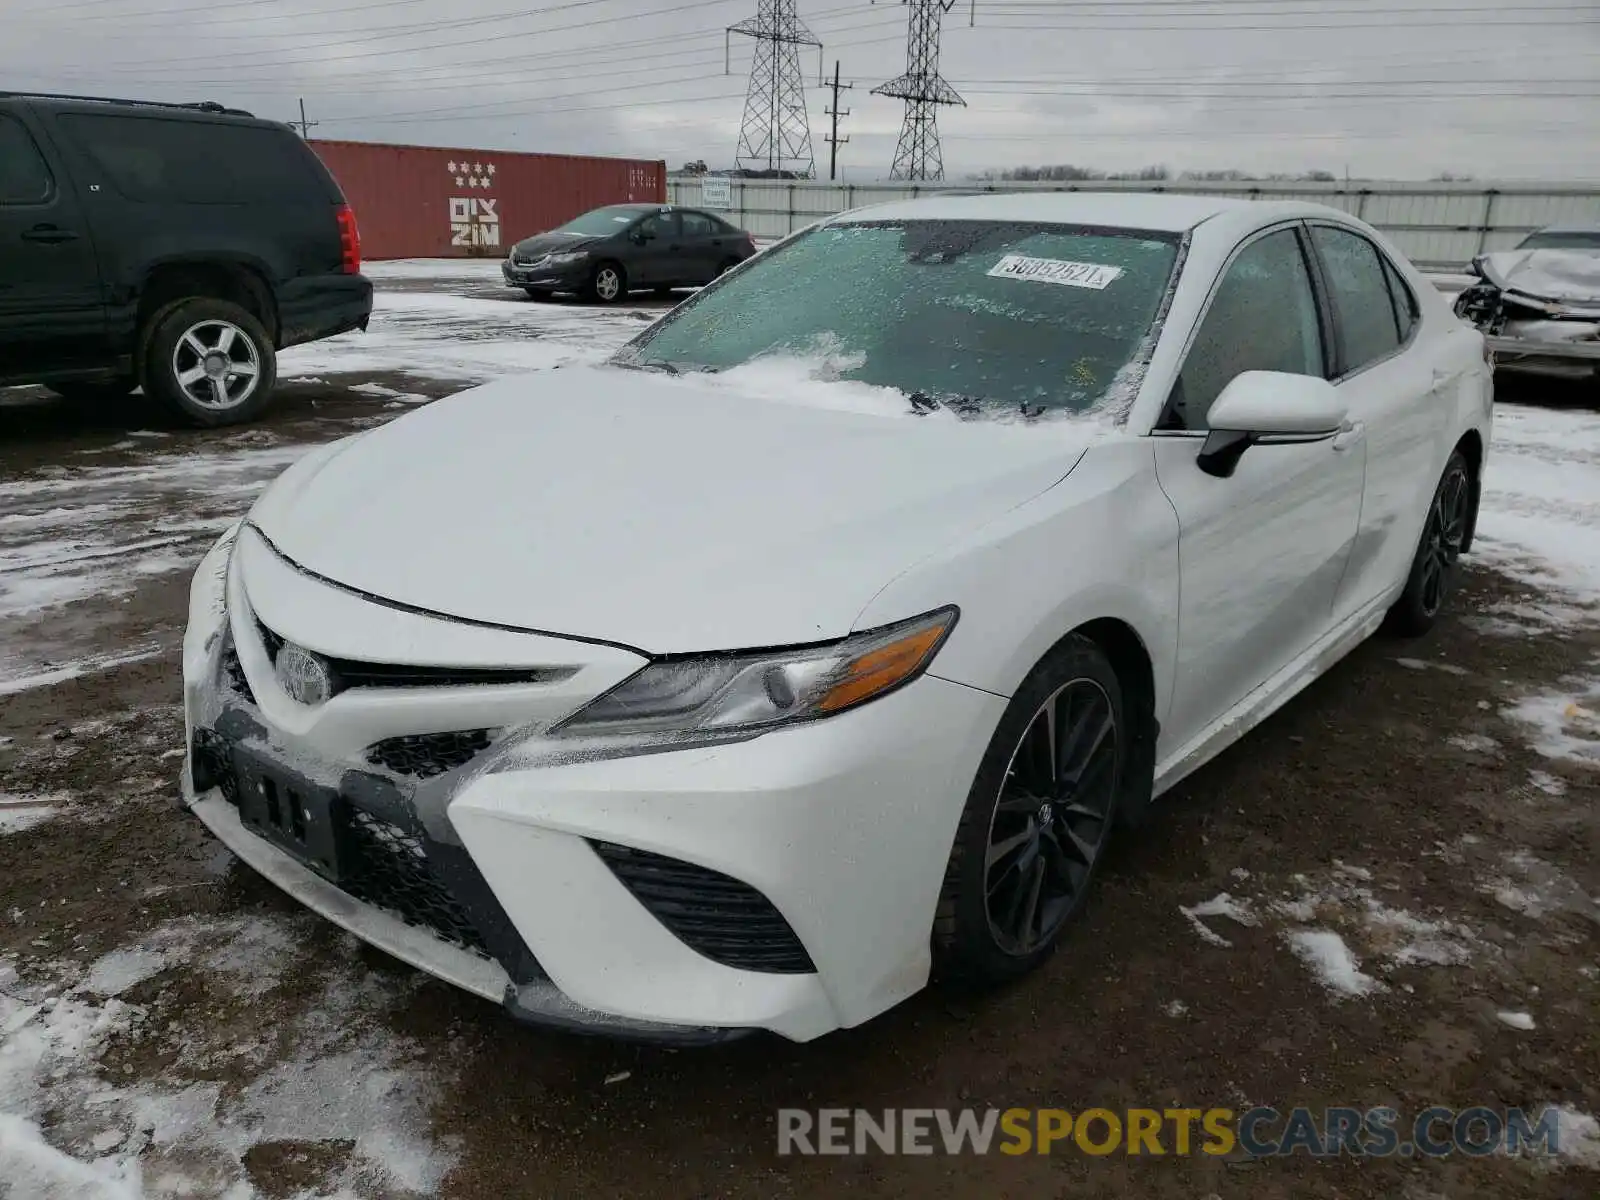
(665,514)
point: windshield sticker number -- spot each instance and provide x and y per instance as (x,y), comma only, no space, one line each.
(1055,270)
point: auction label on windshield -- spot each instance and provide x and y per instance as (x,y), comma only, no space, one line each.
(1055,270)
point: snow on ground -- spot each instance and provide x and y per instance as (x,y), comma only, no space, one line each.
(83,529)
(343,1080)
(1540,518)
(439,335)
(1337,922)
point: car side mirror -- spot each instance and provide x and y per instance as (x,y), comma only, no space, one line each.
(641,236)
(1268,407)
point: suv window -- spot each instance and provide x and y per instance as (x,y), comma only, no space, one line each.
(24,178)
(1354,270)
(1263,317)
(1405,303)
(196,162)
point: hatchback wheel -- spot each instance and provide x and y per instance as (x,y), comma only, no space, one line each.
(1434,568)
(211,361)
(609,283)
(1037,819)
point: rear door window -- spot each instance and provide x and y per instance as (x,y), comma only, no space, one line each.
(1366,315)
(1405,303)
(24,177)
(697,225)
(173,160)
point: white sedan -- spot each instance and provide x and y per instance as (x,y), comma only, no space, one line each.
(817,643)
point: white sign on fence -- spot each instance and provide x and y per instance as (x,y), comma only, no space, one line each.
(716,191)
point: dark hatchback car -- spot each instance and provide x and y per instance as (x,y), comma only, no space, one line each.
(606,253)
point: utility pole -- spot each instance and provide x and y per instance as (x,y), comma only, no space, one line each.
(834,140)
(305,125)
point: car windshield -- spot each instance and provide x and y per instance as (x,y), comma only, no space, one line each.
(974,315)
(601,221)
(1559,239)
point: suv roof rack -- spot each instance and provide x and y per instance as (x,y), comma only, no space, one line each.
(210,106)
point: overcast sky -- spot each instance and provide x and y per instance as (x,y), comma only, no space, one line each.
(1381,88)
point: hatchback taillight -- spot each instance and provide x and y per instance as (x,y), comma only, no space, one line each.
(349,241)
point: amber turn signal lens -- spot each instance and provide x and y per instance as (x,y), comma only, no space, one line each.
(882,668)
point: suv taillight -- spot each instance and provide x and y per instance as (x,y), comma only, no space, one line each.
(349,241)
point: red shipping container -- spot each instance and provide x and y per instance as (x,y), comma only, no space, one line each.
(432,202)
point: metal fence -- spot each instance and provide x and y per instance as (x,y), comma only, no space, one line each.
(1439,226)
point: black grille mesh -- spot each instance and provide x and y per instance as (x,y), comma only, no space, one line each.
(213,766)
(233,672)
(388,867)
(424,755)
(727,921)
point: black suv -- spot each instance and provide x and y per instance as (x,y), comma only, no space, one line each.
(608,252)
(170,246)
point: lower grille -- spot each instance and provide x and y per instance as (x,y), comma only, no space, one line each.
(425,755)
(233,672)
(727,921)
(388,868)
(211,765)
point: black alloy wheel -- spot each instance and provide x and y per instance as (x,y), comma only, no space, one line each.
(1038,818)
(1051,818)
(1437,560)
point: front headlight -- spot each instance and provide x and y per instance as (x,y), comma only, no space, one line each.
(565,258)
(719,695)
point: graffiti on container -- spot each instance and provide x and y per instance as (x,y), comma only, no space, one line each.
(474,221)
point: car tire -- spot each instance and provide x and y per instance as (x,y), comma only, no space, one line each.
(1030,842)
(608,283)
(99,391)
(229,348)
(725,266)
(1434,567)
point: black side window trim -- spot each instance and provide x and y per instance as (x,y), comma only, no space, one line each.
(1325,329)
(1385,268)
(29,138)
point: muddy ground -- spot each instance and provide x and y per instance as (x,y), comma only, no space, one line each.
(1387,786)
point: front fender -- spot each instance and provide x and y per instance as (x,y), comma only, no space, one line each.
(1102,543)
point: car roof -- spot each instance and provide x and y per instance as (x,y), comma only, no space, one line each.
(1572,227)
(90,103)
(1168,212)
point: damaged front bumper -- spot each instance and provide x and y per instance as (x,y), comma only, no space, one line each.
(1539,311)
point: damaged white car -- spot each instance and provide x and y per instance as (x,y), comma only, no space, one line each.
(1539,305)
(822,639)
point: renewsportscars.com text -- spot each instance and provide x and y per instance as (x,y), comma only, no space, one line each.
(1260,1132)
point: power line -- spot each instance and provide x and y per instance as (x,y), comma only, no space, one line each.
(257,60)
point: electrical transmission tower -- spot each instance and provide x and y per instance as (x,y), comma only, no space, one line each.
(918,156)
(776,133)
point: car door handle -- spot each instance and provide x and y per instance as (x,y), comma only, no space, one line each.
(49,234)
(1349,436)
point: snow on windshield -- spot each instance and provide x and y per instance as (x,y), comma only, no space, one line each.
(998,318)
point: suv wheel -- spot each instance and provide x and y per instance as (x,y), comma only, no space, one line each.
(211,361)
